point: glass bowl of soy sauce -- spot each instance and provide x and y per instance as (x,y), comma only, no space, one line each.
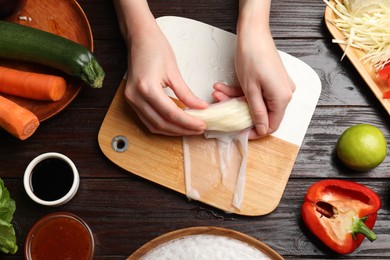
(51,179)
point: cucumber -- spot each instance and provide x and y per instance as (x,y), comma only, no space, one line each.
(23,43)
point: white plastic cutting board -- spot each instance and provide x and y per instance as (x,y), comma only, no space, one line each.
(205,55)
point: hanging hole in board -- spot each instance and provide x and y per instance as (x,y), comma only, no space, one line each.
(120,144)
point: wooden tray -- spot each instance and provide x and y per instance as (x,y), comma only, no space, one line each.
(216,231)
(125,141)
(374,82)
(64,18)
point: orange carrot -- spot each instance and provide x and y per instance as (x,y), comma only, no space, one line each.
(17,120)
(31,85)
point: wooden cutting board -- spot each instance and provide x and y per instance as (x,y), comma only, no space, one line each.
(205,55)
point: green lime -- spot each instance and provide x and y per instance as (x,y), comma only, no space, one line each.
(362,147)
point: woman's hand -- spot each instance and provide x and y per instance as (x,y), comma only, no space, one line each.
(152,66)
(264,81)
(259,68)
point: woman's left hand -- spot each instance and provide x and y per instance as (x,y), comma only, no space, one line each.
(263,80)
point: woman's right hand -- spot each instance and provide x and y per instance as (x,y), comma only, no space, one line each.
(152,66)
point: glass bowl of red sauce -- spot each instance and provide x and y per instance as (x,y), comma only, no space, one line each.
(60,235)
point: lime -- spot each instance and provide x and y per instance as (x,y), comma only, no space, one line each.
(362,147)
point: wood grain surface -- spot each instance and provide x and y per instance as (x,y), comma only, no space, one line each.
(125,211)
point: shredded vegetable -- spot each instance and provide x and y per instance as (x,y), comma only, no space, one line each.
(366,26)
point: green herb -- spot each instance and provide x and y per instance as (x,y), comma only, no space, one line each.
(7,231)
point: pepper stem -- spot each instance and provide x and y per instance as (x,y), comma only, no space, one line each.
(360,227)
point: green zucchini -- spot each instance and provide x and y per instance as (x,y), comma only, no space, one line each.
(23,43)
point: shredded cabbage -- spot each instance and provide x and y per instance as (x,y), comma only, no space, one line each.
(366,26)
(226,116)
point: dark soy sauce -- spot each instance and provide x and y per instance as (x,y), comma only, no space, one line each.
(51,179)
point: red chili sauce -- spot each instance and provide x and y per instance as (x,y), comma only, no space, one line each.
(62,237)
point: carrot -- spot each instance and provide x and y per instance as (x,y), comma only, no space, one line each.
(31,85)
(17,120)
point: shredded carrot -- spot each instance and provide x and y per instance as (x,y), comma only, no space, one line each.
(17,120)
(31,85)
(384,73)
(386,94)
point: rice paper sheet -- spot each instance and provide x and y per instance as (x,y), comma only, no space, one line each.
(215,165)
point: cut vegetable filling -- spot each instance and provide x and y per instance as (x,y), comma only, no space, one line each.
(365,26)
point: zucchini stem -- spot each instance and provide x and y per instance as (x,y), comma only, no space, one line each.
(93,74)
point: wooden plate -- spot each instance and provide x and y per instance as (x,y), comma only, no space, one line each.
(64,18)
(161,240)
(377,85)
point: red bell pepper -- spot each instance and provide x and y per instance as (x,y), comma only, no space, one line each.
(341,213)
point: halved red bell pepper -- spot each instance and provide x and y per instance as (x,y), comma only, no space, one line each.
(341,213)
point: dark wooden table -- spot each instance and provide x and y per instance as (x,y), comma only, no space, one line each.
(125,211)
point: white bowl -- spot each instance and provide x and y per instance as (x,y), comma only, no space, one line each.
(28,183)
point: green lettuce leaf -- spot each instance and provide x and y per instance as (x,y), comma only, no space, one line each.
(7,238)
(7,231)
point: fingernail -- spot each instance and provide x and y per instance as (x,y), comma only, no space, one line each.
(202,127)
(261,129)
(204,103)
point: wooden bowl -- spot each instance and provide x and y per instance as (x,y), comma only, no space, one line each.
(64,18)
